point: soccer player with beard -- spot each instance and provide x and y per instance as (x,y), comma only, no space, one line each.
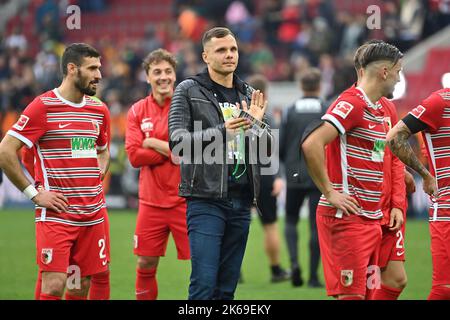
(100,282)
(70,132)
(344,156)
(161,210)
(431,118)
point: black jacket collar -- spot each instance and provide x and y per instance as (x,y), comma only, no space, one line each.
(204,80)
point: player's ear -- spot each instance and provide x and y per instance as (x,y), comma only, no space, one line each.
(71,68)
(205,57)
(385,72)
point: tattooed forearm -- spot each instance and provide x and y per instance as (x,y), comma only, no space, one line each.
(400,146)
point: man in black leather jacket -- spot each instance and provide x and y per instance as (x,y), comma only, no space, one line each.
(218,150)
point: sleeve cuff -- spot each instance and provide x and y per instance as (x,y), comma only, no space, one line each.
(335,122)
(101,148)
(27,142)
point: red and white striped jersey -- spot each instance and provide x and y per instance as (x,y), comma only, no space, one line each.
(66,137)
(354,160)
(434,111)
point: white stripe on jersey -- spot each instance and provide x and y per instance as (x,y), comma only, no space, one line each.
(333,120)
(46,184)
(71,223)
(28,143)
(433,162)
(344,166)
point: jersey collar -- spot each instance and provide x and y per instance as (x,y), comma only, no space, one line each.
(70,103)
(366,99)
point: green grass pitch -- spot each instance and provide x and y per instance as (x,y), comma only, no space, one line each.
(18,269)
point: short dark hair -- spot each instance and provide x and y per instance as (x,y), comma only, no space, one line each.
(217,32)
(258,82)
(310,80)
(75,53)
(156,56)
(376,50)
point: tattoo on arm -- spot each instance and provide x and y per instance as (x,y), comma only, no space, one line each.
(400,146)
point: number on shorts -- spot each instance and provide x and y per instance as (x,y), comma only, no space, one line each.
(400,240)
(102,245)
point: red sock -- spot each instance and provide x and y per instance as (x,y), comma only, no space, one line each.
(146,285)
(351,298)
(72,297)
(439,293)
(100,288)
(37,289)
(44,296)
(386,293)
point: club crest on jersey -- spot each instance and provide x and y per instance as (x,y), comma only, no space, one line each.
(346,277)
(21,123)
(146,125)
(418,111)
(388,122)
(46,256)
(342,109)
(96,127)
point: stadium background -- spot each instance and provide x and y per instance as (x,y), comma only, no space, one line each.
(277,38)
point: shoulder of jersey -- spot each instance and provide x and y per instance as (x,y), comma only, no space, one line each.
(351,97)
(94,101)
(138,105)
(444,94)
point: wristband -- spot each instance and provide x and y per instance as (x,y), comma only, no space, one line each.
(30,192)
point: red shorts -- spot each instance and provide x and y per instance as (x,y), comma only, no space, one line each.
(392,246)
(440,252)
(349,250)
(153,227)
(60,246)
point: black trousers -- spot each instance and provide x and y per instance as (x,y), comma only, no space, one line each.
(294,200)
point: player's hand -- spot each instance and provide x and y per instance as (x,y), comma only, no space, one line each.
(257,106)
(430,185)
(396,219)
(51,200)
(343,202)
(233,125)
(277,187)
(148,143)
(410,183)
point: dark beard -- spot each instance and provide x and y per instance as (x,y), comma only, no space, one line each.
(390,95)
(85,90)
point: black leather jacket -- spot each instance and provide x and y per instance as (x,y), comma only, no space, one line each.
(194,100)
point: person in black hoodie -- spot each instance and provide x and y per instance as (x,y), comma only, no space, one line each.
(219,153)
(302,113)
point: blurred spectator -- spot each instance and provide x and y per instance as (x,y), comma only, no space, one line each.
(354,34)
(326,66)
(16,40)
(150,41)
(271,20)
(412,18)
(21,88)
(240,21)
(46,67)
